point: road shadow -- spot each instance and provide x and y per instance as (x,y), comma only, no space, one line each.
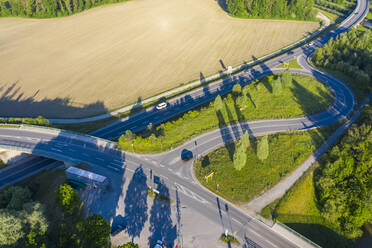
(136,203)
(161,226)
(15,103)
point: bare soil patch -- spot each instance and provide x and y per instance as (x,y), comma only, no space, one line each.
(109,56)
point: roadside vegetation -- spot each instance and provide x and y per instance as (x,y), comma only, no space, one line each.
(40,120)
(349,58)
(291,64)
(280,9)
(332,201)
(48,8)
(268,160)
(273,97)
(341,8)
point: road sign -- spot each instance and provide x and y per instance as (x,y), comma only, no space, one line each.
(210,174)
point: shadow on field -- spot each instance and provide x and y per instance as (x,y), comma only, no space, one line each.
(14,103)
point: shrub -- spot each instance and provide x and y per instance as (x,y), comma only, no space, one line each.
(263,148)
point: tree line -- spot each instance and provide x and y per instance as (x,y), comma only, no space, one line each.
(283,9)
(48,8)
(344,182)
(351,54)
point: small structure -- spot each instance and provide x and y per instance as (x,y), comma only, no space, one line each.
(87,177)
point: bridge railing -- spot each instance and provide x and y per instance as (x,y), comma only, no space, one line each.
(71,134)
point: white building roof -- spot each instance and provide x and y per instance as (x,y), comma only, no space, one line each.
(86,174)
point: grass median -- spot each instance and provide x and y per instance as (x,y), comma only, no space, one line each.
(301,96)
(286,152)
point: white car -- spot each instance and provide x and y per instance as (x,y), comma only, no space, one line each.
(162,105)
(311,43)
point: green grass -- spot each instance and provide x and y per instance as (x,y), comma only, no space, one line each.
(268,211)
(333,17)
(287,152)
(360,91)
(292,64)
(303,97)
(298,210)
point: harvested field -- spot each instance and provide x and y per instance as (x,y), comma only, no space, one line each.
(109,56)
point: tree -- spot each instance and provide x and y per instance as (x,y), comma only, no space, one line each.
(237,90)
(14,197)
(286,78)
(218,104)
(277,86)
(343,188)
(263,148)
(95,231)
(11,228)
(67,198)
(240,156)
(245,140)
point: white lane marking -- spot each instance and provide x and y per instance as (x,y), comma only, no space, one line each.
(175,160)
(161,165)
(190,194)
(85,154)
(55,149)
(101,159)
(265,240)
(113,168)
(166,178)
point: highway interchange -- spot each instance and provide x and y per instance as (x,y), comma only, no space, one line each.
(177,176)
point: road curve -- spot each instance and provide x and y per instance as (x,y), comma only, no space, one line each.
(176,175)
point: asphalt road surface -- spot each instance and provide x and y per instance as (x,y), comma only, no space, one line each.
(168,167)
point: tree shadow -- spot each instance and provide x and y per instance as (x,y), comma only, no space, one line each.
(161,226)
(222,4)
(225,134)
(15,103)
(136,203)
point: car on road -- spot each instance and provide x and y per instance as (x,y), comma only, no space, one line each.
(161,106)
(311,43)
(186,155)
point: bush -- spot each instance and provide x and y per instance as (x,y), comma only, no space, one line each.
(229,239)
(263,148)
(95,231)
(67,198)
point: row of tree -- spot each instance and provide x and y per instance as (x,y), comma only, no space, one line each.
(284,9)
(344,184)
(40,120)
(351,54)
(48,8)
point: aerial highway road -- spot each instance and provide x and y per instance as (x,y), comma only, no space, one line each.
(176,175)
